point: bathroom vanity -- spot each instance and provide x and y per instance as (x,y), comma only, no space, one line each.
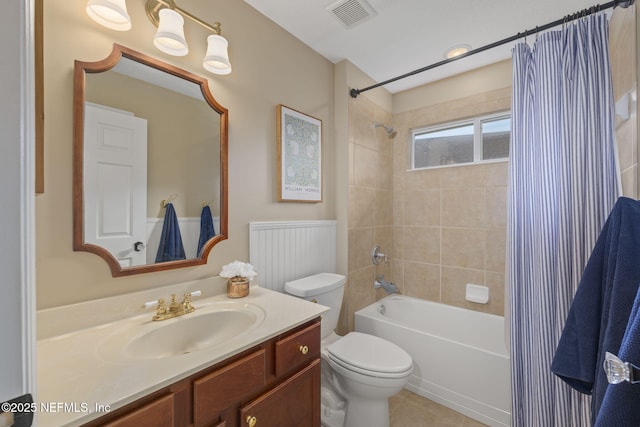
(276,383)
(264,374)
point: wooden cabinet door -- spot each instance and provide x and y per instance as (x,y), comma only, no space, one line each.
(293,403)
(227,386)
(158,413)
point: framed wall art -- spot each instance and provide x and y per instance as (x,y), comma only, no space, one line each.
(299,156)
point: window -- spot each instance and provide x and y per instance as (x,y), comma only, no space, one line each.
(472,141)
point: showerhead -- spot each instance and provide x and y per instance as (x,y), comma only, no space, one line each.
(391,132)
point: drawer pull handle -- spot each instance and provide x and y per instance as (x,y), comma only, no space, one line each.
(303,349)
(252,421)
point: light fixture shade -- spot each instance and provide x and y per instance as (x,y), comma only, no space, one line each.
(110,13)
(170,36)
(217,58)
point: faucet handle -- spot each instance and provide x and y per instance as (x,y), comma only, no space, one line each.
(157,303)
(377,256)
(186,301)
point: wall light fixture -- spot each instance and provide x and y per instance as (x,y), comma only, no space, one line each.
(169,18)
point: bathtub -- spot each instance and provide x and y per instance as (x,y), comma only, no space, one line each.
(460,357)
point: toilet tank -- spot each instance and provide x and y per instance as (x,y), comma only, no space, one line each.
(325,289)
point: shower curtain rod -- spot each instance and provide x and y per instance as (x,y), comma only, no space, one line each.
(585,12)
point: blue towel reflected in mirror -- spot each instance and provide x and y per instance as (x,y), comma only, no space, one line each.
(207,230)
(170,247)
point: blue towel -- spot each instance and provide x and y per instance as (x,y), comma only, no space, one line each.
(206,228)
(170,247)
(602,305)
(621,403)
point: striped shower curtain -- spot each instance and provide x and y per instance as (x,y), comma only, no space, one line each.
(562,185)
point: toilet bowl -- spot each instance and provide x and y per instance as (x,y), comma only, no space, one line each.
(359,371)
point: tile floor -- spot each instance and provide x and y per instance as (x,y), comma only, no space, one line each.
(407,409)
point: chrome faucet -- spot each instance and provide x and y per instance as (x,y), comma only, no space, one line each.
(390,287)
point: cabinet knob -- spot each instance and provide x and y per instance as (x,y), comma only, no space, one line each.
(251,421)
(303,349)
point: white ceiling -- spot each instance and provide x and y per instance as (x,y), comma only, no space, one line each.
(405,35)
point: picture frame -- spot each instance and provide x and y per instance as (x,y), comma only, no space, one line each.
(299,156)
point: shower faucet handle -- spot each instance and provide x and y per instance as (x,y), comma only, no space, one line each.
(377,257)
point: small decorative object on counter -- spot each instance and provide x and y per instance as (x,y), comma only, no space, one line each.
(238,275)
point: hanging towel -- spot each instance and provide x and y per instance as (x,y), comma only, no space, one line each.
(602,305)
(206,228)
(621,403)
(170,247)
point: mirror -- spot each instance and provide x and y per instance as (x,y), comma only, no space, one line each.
(147,134)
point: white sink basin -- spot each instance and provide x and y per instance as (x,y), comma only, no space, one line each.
(190,333)
(209,326)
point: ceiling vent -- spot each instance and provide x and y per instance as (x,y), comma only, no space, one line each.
(352,12)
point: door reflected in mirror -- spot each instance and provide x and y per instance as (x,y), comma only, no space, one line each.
(150,148)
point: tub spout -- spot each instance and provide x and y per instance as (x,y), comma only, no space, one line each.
(390,287)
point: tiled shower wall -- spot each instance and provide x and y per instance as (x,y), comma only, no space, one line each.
(450,223)
(370,203)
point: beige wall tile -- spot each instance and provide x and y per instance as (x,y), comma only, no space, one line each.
(398,274)
(497,174)
(496,207)
(496,283)
(422,280)
(361,201)
(362,244)
(454,286)
(423,179)
(383,208)
(463,247)
(496,250)
(361,292)
(464,207)
(398,242)
(364,163)
(422,207)
(422,244)
(383,172)
(463,176)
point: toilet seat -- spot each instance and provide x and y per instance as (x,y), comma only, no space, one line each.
(371,356)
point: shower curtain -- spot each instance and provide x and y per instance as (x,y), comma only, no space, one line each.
(562,184)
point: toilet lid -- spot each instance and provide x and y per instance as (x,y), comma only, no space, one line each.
(370,354)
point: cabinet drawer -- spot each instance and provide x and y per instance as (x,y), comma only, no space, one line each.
(158,413)
(297,349)
(226,386)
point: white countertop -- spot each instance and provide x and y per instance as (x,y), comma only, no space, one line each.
(84,374)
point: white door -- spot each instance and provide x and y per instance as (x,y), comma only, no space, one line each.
(115,183)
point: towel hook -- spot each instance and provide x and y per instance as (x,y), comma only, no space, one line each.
(171,198)
(207,203)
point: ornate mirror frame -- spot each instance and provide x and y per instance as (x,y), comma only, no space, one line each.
(79,98)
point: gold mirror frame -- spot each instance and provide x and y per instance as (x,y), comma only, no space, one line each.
(79,97)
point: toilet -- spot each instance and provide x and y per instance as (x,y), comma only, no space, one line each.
(359,371)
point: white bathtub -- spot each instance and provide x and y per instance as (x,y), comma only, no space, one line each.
(460,357)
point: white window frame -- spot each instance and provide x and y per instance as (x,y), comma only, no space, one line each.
(477,139)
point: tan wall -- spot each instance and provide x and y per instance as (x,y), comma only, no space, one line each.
(270,67)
